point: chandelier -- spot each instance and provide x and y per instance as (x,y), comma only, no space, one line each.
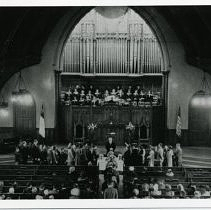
(202,98)
(21,95)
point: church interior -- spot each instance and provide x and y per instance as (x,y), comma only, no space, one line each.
(131,83)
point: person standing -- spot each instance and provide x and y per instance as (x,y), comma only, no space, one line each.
(160,154)
(110,144)
(169,156)
(110,192)
(178,155)
(70,155)
(151,157)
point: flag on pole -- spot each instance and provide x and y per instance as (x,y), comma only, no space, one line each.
(42,123)
(179,124)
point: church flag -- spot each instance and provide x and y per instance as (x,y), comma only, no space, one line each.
(179,124)
(42,123)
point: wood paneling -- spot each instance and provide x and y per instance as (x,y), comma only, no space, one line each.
(24,119)
(199,126)
(110,118)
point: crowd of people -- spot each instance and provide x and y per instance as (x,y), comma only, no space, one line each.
(140,155)
(158,188)
(75,184)
(88,154)
(112,166)
(136,96)
(73,154)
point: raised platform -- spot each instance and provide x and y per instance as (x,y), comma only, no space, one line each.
(194,157)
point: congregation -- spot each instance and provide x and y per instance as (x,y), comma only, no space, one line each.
(142,172)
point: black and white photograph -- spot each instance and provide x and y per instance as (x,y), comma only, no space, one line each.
(105,102)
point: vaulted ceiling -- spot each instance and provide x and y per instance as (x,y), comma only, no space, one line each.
(24,31)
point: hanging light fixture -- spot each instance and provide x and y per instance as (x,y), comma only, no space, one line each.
(3,107)
(202,98)
(21,95)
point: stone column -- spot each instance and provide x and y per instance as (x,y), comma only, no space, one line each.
(165,102)
(57,101)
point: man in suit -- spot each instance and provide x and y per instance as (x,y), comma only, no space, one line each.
(110,144)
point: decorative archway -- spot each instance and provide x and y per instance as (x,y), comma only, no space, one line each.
(58,64)
(145,13)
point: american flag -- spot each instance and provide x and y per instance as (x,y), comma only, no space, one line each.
(42,123)
(179,124)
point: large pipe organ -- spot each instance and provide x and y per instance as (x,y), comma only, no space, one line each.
(133,51)
(111,77)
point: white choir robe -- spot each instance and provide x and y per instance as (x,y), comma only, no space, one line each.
(120,165)
(151,158)
(101,163)
(169,156)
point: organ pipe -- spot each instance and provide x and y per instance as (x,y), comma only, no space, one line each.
(112,53)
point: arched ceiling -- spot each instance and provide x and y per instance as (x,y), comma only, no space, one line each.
(24,31)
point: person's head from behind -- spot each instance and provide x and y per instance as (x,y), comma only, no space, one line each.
(168,187)
(11,190)
(180,187)
(51,197)
(113,179)
(135,192)
(71,169)
(110,184)
(197,194)
(75,192)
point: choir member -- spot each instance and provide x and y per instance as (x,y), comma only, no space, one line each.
(121,94)
(101,163)
(149,96)
(106,94)
(160,154)
(178,154)
(138,88)
(151,157)
(97,93)
(113,92)
(120,164)
(75,101)
(76,93)
(142,95)
(169,156)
